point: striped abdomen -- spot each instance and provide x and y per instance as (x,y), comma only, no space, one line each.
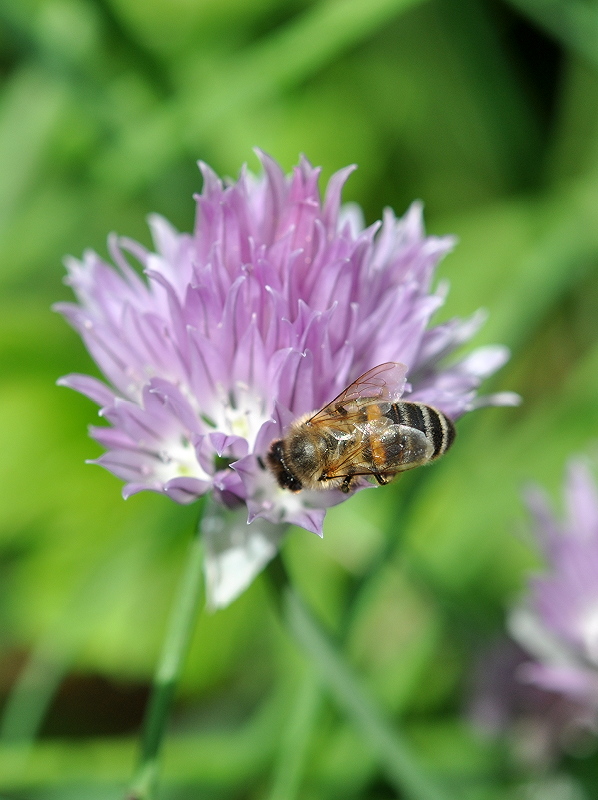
(436,426)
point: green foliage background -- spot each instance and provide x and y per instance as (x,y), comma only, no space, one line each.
(486,110)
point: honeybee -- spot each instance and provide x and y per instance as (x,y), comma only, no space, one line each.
(365,431)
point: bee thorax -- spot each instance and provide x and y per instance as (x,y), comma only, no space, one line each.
(305,454)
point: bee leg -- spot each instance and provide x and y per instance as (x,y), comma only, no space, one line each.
(345,486)
(260,461)
(382,480)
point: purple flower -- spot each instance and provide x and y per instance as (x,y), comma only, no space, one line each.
(272,306)
(557,624)
(540,723)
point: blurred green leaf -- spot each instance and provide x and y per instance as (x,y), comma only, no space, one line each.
(574,22)
(393,649)
(297,734)
(225,758)
(463,526)
(30,109)
(214,91)
(392,750)
(519,258)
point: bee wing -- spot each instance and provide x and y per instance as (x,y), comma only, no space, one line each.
(352,462)
(396,448)
(380,384)
(412,444)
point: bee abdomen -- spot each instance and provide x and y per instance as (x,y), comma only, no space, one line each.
(436,426)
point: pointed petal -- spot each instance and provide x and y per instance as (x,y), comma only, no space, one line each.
(235,552)
(90,387)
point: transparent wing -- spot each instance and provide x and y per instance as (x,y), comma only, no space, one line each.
(394,449)
(380,384)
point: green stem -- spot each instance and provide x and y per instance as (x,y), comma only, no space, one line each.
(394,754)
(175,648)
(296,737)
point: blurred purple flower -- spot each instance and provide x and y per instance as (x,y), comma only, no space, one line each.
(540,723)
(557,623)
(272,306)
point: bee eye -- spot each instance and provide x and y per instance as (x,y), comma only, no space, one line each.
(290,482)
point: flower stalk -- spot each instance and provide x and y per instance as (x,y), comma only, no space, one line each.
(296,737)
(174,652)
(394,754)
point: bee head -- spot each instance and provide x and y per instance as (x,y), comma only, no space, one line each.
(276,461)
